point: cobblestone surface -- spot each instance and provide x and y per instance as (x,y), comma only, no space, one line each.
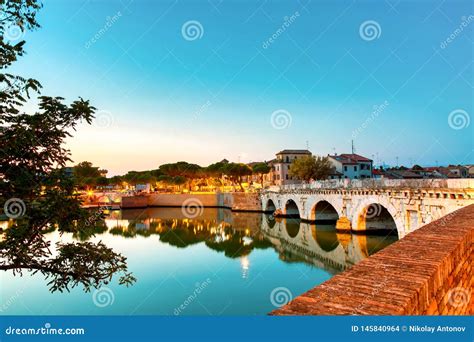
(428,272)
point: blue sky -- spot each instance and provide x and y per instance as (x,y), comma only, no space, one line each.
(164,98)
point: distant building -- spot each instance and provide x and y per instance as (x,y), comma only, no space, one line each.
(281,165)
(470,169)
(352,166)
(451,171)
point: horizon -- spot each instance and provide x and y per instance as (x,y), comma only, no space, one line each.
(232,91)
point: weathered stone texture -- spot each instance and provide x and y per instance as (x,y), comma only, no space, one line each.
(428,272)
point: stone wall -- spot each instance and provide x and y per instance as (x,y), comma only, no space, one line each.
(234,201)
(428,272)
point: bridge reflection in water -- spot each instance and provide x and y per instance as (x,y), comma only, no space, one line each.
(236,234)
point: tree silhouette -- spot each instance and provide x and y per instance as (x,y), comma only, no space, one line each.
(35,192)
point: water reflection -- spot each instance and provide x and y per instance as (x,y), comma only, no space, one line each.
(320,244)
(237,234)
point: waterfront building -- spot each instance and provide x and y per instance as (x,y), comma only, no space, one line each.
(279,174)
(352,166)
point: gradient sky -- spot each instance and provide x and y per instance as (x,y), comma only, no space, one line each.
(163,98)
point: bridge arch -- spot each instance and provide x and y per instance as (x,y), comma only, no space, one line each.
(291,209)
(374,216)
(323,210)
(325,236)
(269,206)
(292,227)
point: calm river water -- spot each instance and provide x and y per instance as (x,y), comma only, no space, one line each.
(219,263)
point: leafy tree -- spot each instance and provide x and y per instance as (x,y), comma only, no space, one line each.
(102,181)
(34,190)
(86,175)
(182,169)
(236,171)
(311,167)
(261,169)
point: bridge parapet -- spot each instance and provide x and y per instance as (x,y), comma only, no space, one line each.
(464,183)
(377,202)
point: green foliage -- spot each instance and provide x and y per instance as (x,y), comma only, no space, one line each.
(236,171)
(31,173)
(261,169)
(311,167)
(86,175)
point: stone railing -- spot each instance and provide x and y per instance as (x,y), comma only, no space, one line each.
(464,183)
(428,272)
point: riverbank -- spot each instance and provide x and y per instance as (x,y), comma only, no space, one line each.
(428,272)
(237,201)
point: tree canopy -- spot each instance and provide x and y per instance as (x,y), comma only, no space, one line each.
(311,167)
(34,191)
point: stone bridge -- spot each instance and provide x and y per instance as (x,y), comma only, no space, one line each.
(318,245)
(371,205)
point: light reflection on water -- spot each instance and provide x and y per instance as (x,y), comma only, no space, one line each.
(241,257)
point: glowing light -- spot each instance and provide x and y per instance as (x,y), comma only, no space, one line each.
(245,265)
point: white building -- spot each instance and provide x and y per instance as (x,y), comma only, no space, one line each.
(281,165)
(352,166)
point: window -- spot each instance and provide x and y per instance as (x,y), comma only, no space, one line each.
(287,159)
(355,168)
(345,169)
(286,176)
